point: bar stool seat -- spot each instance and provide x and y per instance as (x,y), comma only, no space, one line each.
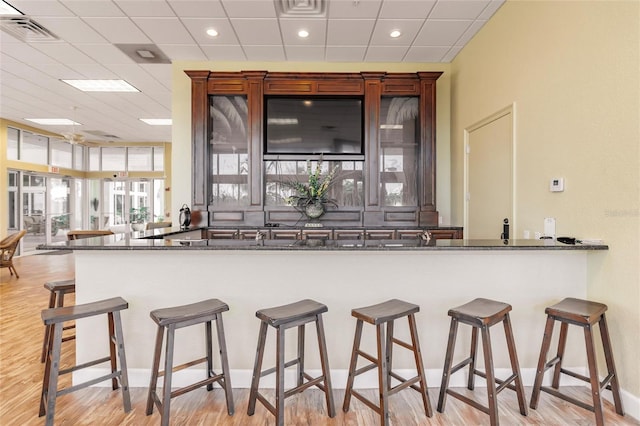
(296,314)
(379,315)
(57,291)
(56,317)
(585,314)
(171,319)
(481,314)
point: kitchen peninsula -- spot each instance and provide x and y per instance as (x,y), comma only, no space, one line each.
(175,267)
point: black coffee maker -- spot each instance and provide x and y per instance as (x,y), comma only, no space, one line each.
(185,216)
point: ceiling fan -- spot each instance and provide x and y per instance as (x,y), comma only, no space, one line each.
(72,137)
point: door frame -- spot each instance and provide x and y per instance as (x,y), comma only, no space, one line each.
(508,110)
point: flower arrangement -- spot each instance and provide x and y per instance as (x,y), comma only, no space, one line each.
(315,191)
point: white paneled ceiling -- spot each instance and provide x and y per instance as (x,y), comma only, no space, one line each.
(248,30)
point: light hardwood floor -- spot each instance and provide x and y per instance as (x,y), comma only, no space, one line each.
(21,334)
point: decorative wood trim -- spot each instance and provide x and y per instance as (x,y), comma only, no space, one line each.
(200,158)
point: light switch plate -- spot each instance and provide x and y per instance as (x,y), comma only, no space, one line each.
(550,227)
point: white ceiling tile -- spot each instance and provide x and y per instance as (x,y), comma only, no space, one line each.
(249,8)
(426,53)
(315,27)
(441,33)
(94,71)
(349,9)
(345,53)
(118,30)
(37,8)
(349,32)
(164,30)
(257,31)
(491,8)
(96,8)
(406,9)
(198,27)
(305,53)
(471,31)
(183,52)
(136,8)
(27,54)
(71,30)
(104,53)
(458,9)
(63,52)
(264,53)
(408,27)
(385,53)
(451,54)
(198,8)
(162,73)
(224,53)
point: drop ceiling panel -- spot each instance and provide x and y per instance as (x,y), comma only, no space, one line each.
(145,7)
(249,8)
(198,28)
(63,52)
(257,31)
(349,32)
(385,53)
(37,8)
(441,33)
(264,53)
(183,52)
(224,53)
(93,8)
(491,8)
(458,9)
(350,9)
(104,53)
(471,31)
(161,72)
(408,27)
(94,71)
(118,30)
(305,53)
(71,30)
(315,27)
(345,53)
(164,30)
(197,8)
(27,54)
(426,54)
(405,9)
(451,54)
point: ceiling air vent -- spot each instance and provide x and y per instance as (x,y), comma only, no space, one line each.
(26,29)
(301,8)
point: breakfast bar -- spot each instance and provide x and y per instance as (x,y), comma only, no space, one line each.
(171,267)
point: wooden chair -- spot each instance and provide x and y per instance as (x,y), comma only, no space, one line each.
(8,248)
(87,233)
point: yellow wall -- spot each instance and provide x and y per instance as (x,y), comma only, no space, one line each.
(181,132)
(573,71)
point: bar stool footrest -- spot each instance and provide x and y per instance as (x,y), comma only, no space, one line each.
(311,382)
(460,365)
(405,384)
(567,398)
(196,385)
(85,365)
(366,401)
(115,374)
(402,379)
(468,400)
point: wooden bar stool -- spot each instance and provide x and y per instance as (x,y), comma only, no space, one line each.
(482,314)
(172,319)
(585,314)
(56,317)
(282,318)
(379,315)
(57,290)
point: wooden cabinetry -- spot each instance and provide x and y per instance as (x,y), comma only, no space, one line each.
(392,180)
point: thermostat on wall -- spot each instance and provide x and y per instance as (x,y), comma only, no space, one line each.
(557,185)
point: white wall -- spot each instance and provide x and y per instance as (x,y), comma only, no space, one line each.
(573,71)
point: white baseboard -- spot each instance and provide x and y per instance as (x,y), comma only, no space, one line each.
(241,379)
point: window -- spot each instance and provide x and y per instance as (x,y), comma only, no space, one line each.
(61,153)
(13,137)
(158,159)
(35,148)
(114,159)
(140,159)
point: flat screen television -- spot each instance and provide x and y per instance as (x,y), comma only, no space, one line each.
(317,125)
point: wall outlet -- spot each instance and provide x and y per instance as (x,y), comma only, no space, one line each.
(549,227)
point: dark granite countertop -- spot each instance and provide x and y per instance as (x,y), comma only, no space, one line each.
(169,239)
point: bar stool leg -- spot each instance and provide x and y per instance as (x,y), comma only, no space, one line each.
(544,350)
(209,344)
(280,376)
(300,367)
(324,361)
(491,380)
(124,378)
(47,328)
(54,367)
(562,344)
(155,370)
(112,350)
(419,366)
(471,380)
(225,364)
(593,375)
(448,360)
(515,365)
(611,367)
(166,385)
(383,376)
(352,365)
(257,369)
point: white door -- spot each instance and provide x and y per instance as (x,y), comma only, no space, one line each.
(490,176)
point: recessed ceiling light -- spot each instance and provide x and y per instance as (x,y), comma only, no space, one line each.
(395,34)
(303,33)
(157,121)
(102,85)
(54,121)
(7,9)
(212,32)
